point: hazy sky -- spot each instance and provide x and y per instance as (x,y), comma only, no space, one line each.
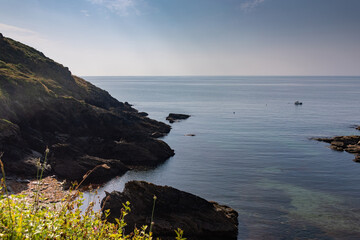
(191,37)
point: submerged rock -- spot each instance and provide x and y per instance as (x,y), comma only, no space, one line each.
(190,135)
(200,219)
(173,117)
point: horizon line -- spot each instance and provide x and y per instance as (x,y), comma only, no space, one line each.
(219,75)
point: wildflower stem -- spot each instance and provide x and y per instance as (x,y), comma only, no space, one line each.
(152,214)
(36,200)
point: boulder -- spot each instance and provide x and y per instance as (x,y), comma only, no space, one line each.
(173,117)
(199,218)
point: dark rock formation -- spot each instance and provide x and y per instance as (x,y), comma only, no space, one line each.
(174,209)
(350,144)
(173,117)
(71,163)
(43,105)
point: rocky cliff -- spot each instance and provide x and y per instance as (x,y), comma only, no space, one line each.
(43,105)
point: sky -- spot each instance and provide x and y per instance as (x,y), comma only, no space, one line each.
(190,37)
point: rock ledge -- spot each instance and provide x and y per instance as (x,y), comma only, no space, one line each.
(199,218)
(350,144)
(174,117)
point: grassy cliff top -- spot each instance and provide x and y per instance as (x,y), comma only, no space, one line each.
(27,75)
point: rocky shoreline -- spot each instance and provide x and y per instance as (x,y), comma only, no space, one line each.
(350,144)
(42,105)
(88,135)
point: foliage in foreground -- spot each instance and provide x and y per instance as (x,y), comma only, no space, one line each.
(24,218)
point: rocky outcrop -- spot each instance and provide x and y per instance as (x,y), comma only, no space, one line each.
(174,117)
(200,219)
(43,105)
(350,144)
(72,164)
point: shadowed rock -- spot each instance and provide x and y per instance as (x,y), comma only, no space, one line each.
(70,163)
(200,219)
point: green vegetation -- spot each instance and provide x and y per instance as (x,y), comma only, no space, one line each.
(28,51)
(5,121)
(30,80)
(6,127)
(2,64)
(24,218)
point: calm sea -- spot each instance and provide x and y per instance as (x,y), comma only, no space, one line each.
(252,149)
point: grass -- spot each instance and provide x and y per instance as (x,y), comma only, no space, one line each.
(6,121)
(24,218)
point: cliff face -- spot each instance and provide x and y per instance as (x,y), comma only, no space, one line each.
(42,104)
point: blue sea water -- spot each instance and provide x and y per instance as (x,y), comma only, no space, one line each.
(252,149)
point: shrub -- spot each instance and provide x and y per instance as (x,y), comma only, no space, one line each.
(24,218)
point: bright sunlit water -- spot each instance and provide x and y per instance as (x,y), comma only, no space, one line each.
(252,149)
